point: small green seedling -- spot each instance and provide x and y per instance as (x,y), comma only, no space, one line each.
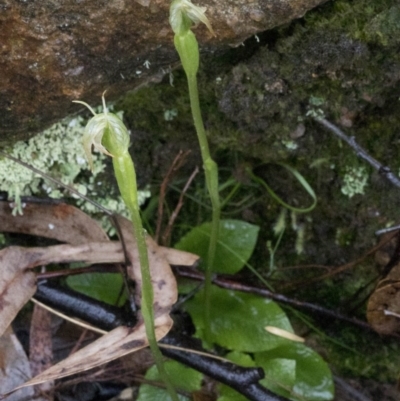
(107,133)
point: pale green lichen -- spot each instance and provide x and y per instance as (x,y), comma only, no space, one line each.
(289,144)
(354,181)
(279,228)
(169,115)
(280,224)
(300,230)
(58,152)
(314,109)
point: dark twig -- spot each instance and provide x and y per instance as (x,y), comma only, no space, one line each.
(98,268)
(339,269)
(79,305)
(243,380)
(349,390)
(233,285)
(361,152)
(385,171)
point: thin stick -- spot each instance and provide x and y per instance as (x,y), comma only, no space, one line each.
(79,342)
(338,269)
(361,152)
(233,285)
(180,158)
(167,233)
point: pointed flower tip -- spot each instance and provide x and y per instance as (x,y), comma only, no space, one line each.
(182,10)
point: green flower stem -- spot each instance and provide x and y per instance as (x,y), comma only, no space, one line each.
(125,174)
(187,47)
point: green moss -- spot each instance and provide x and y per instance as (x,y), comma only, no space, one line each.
(338,53)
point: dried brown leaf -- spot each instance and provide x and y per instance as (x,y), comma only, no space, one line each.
(383,306)
(14,367)
(59,221)
(17,286)
(122,340)
(163,281)
(18,283)
(179,258)
(119,342)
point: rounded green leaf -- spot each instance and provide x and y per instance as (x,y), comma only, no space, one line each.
(236,242)
(313,378)
(182,378)
(238,320)
(280,375)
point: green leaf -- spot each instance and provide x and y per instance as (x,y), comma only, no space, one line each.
(280,374)
(104,287)
(182,378)
(241,359)
(313,379)
(238,320)
(236,243)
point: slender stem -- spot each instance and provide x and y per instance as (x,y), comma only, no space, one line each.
(188,49)
(124,170)
(211,173)
(197,118)
(107,133)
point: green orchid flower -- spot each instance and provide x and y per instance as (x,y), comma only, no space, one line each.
(97,127)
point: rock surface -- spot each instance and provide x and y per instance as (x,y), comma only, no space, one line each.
(54,52)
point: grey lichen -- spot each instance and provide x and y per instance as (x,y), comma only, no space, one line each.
(58,152)
(354,181)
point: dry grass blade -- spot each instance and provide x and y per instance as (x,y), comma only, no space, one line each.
(18,283)
(52,220)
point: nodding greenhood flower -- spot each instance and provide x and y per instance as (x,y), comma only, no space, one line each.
(101,124)
(183,14)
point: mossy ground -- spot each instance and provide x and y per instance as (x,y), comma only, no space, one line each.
(345,54)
